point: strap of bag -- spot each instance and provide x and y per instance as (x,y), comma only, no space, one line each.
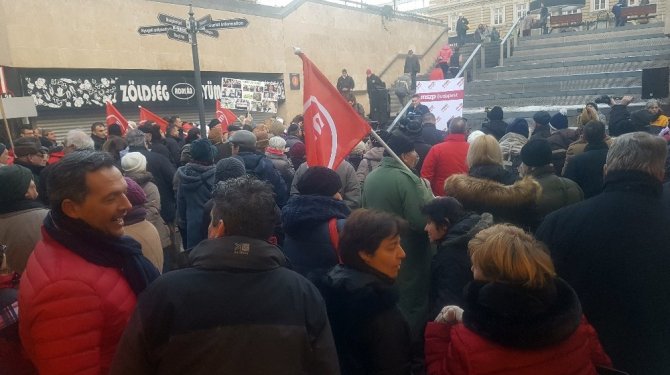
(335,238)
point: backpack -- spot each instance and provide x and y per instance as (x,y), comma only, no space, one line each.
(401,87)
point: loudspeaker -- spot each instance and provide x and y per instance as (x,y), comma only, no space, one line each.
(655,83)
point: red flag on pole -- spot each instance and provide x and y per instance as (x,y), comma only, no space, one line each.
(332,126)
(115,117)
(147,115)
(224,115)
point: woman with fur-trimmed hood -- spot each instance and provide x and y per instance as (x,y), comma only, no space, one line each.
(516,203)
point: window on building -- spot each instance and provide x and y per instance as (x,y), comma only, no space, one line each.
(600,5)
(520,11)
(453,18)
(498,16)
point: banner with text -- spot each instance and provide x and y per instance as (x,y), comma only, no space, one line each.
(444,98)
(73,89)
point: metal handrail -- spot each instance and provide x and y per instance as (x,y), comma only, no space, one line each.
(467,62)
(505,41)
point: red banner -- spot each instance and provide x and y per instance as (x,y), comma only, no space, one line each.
(147,115)
(115,117)
(332,126)
(224,115)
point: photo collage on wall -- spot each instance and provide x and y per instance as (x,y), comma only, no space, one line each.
(254,96)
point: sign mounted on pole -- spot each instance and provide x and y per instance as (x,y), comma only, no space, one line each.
(204,21)
(178,35)
(170,20)
(209,33)
(232,23)
(151,30)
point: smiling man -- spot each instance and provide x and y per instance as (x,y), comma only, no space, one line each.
(81,282)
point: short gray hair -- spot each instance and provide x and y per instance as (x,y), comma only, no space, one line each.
(78,140)
(638,151)
(135,137)
(651,103)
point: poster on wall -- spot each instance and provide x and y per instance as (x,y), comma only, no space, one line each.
(294,79)
(444,98)
(65,89)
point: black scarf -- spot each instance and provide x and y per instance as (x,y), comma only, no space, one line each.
(123,252)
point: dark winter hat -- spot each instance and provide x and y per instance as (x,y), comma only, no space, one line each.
(202,151)
(559,121)
(319,181)
(293,128)
(234,128)
(25,146)
(592,104)
(400,144)
(496,113)
(135,194)
(542,117)
(14,183)
(413,127)
(536,153)
(213,123)
(518,126)
(115,129)
(244,138)
(229,168)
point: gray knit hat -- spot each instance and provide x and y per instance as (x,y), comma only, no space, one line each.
(229,168)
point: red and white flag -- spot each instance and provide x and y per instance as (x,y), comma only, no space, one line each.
(224,115)
(332,126)
(147,115)
(115,117)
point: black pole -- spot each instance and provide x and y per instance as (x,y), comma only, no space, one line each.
(193,30)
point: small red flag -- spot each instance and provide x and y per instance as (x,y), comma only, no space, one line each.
(224,115)
(332,126)
(147,115)
(115,117)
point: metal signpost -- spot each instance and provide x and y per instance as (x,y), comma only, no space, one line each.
(186,31)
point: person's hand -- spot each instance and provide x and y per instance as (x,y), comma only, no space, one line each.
(626,100)
(450,314)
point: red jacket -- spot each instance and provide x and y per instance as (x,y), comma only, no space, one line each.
(72,312)
(445,159)
(454,349)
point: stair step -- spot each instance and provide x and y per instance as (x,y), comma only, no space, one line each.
(593,35)
(551,88)
(591,49)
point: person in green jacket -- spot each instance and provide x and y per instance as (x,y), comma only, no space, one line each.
(392,187)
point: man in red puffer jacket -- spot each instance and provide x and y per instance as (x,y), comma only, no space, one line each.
(81,282)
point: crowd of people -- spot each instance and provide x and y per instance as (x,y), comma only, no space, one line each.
(528,247)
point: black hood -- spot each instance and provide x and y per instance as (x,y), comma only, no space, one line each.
(463,231)
(519,317)
(305,212)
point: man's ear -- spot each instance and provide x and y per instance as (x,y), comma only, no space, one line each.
(70,208)
(216,230)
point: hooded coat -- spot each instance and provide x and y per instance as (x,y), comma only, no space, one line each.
(586,169)
(307,243)
(237,310)
(153,205)
(194,183)
(371,160)
(371,334)
(451,265)
(509,329)
(493,172)
(257,164)
(515,204)
(557,191)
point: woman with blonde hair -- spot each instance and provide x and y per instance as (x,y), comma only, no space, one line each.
(518,316)
(485,160)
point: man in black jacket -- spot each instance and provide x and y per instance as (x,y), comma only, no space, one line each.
(586,169)
(238,310)
(345,83)
(412,67)
(613,250)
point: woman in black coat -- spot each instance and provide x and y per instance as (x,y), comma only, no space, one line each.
(485,161)
(371,334)
(450,227)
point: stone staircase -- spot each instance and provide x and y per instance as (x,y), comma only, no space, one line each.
(567,70)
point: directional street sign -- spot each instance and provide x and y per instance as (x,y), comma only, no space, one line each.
(150,30)
(209,33)
(171,20)
(178,35)
(232,23)
(204,21)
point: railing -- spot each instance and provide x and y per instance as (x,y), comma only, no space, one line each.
(471,63)
(509,43)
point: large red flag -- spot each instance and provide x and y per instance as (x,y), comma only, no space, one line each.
(332,126)
(147,115)
(224,115)
(115,117)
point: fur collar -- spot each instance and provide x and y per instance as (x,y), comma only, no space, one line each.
(476,192)
(515,316)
